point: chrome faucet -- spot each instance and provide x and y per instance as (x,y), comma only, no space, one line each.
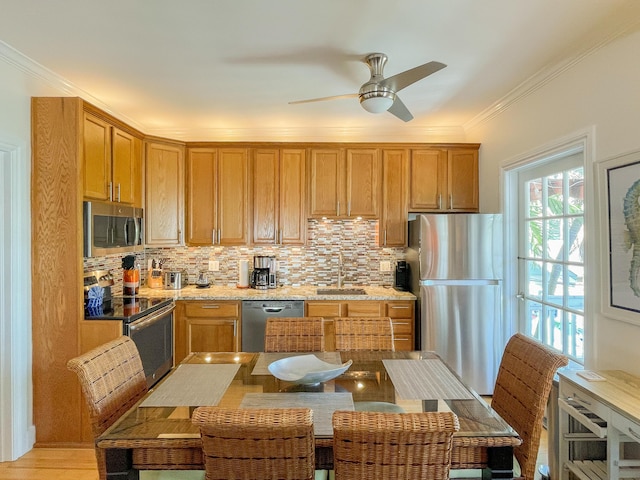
(340,270)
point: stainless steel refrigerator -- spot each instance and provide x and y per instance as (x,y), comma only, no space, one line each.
(456,264)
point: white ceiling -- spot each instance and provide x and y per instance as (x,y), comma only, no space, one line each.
(226,70)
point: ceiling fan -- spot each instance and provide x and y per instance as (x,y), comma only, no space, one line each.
(379,94)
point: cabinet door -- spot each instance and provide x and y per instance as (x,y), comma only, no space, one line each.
(123,165)
(363,183)
(393,218)
(266,184)
(428,173)
(201,196)
(326,183)
(462,180)
(164,195)
(233,196)
(96,158)
(293,218)
(212,334)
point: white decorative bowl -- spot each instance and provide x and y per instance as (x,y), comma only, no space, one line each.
(306,369)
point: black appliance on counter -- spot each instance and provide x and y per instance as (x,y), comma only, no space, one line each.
(403,276)
(148,321)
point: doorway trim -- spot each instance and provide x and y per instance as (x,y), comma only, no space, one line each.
(17,432)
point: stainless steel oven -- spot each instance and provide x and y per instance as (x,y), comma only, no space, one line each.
(153,335)
(148,321)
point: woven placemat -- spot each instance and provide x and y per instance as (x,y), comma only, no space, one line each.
(425,380)
(266,358)
(322,404)
(193,386)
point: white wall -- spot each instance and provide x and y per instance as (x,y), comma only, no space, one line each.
(599,94)
(16,406)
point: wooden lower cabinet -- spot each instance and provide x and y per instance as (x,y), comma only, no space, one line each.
(402,313)
(206,326)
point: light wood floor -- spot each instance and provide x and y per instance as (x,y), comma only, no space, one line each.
(80,464)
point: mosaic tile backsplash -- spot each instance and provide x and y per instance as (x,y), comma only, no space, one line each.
(313,264)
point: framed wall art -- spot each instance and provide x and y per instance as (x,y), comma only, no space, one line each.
(619,200)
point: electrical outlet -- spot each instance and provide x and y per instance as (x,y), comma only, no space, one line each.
(214,265)
(385,266)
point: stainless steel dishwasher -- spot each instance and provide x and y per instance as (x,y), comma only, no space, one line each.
(254,319)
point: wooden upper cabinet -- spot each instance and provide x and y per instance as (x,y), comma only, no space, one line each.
(344,184)
(96,158)
(217,196)
(427,179)
(279,197)
(326,183)
(363,182)
(112,161)
(233,196)
(462,174)
(164,194)
(394,213)
(201,196)
(123,166)
(444,179)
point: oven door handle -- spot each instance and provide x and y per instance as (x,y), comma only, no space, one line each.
(151,319)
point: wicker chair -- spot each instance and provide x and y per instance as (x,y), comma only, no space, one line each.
(112,381)
(253,444)
(521,392)
(374,333)
(393,446)
(297,334)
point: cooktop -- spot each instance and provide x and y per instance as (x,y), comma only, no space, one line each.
(127,309)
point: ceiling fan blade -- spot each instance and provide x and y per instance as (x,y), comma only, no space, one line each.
(321,99)
(401,80)
(400,110)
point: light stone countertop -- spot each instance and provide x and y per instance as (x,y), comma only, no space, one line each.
(216,292)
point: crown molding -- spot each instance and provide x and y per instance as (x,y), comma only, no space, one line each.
(404,134)
(543,77)
(30,67)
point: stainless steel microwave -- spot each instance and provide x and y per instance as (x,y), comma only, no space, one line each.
(111,228)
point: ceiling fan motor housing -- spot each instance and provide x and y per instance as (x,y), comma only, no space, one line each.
(374,97)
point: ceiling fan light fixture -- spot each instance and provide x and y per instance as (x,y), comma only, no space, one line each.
(377,103)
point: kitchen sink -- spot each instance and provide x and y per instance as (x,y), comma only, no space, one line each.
(341,291)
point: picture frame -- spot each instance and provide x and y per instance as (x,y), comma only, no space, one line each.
(619,201)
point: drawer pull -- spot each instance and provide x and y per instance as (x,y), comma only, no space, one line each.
(210,306)
(634,434)
(405,307)
(401,323)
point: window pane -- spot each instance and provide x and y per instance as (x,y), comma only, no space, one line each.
(576,190)
(555,195)
(555,239)
(552,253)
(534,200)
(534,279)
(576,239)
(535,236)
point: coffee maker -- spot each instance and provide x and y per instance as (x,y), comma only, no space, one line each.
(264,272)
(260,274)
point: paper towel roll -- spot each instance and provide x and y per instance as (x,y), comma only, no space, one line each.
(243,274)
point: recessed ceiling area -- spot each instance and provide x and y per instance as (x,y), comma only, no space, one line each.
(226,71)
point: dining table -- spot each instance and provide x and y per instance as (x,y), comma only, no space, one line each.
(157,432)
